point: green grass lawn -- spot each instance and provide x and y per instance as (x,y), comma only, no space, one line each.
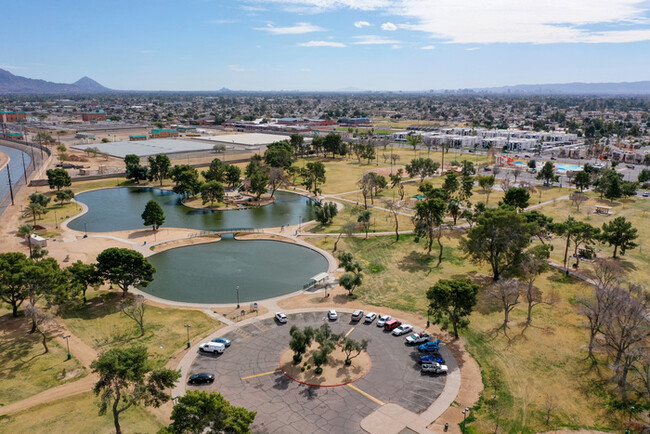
(101,325)
(542,360)
(381,221)
(25,369)
(77,414)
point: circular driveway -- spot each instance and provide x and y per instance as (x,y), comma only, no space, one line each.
(248,375)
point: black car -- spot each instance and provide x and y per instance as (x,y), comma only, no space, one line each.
(202,378)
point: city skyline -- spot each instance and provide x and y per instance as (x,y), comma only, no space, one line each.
(328,44)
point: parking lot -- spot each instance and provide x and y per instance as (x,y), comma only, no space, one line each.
(248,375)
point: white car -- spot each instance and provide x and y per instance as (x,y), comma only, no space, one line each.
(281,317)
(332,315)
(403,329)
(370,317)
(418,338)
(382,320)
(212,347)
(436,368)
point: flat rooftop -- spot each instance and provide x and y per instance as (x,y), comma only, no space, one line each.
(144,148)
(246,139)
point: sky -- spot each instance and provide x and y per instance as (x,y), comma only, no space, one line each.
(326,44)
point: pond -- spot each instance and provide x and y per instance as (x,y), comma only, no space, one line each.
(210,273)
(117,209)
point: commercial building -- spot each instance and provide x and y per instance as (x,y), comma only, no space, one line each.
(138,137)
(93,116)
(162,133)
(10,116)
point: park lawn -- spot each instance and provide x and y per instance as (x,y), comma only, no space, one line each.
(636,210)
(78,414)
(102,326)
(25,369)
(341,175)
(380,221)
(544,359)
(56,211)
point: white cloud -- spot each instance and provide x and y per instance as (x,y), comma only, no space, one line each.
(235,68)
(298,29)
(472,48)
(321,44)
(253,8)
(506,21)
(528,21)
(397,47)
(389,27)
(361,24)
(374,40)
(428,47)
(223,21)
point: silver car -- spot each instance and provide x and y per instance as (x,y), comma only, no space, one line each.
(382,320)
(370,317)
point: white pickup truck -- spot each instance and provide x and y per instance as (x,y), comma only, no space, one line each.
(212,347)
(436,368)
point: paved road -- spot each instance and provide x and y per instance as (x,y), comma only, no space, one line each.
(285,406)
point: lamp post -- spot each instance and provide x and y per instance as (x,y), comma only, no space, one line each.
(67,342)
(237,289)
(187,326)
(56,221)
(465,413)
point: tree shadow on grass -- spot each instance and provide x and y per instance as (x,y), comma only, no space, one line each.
(416,261)
(96,307)
(15,345)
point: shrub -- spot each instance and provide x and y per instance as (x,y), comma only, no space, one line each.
(297,358)
(319,370)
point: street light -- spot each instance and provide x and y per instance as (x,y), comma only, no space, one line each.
(187,326)
(237,289)
(67,342)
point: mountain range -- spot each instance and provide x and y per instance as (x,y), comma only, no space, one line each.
(14,84)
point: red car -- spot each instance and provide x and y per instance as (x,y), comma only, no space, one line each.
(392,324)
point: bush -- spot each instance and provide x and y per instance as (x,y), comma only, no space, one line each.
(348,362)
(302,369)
(319,370)
(297,358)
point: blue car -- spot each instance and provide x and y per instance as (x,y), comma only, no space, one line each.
(224,341)
(430,346)
(430,358)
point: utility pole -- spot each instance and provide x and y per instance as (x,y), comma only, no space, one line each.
(11,188)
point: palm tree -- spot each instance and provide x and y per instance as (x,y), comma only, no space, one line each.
(26,231)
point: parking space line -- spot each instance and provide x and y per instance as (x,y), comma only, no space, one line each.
(367,395)
(349,331)
(262,374)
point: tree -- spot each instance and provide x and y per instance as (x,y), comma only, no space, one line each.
(34,210)
(124,268)
(533,264)
(258,182)
(348,229)
(532,164)
(313,175)
(326,213)
(279,154)
(134,170)
(212,191)
(451,184)
(414,140)
(498,238)
(466,188)
(364,219)
(609,185)
(277,178)
(297,141)
(396,181)
(516,173)
(135,310)
(620,234)
(13,289)
(369,152)
(346,261)
(216,171)
(452,301)
(159,167)
(40,199)
(26,231)
(547,173)
(517,197)
(219,148)
(64,195)
(233,174)
(58,178)
(300,341)
(333,143)
(644,175)
(428,219)
(582,179)
(486,183)
(506,293)
(153,215)
(422,167)
(186,179)
(352,348)
(578,198)
(82,276)
(393,208)
(202,412)
(583,234)
(126,378)
(42,322)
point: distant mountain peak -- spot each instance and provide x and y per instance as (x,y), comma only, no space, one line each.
(15,84)
(88,84)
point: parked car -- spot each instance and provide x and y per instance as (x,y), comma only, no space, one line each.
(526,156)
(432,358)
(630,166)
(392,324)
(332,315)
(382,320)
(370,317)
(224,341)
(403,329)
(436,368)
(418,338)
(646,194)
(281,317)
(202,378)
(357,315)
(553,158)
(487,169)
(430,346)
(212,347)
